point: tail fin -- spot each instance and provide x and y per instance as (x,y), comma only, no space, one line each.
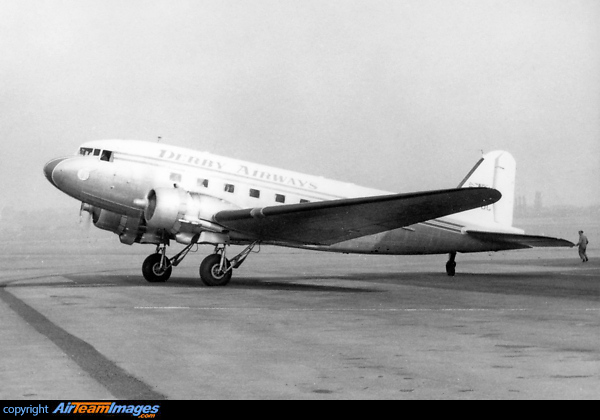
(494,170)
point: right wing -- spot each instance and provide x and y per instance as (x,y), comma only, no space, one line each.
(332,221)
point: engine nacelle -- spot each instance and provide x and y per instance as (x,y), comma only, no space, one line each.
(107,220)
(167,207)
(127,227)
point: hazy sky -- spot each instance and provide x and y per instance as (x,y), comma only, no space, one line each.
(399,95)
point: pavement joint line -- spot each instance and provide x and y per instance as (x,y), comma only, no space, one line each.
(579,274)
(208,308)
(100,368)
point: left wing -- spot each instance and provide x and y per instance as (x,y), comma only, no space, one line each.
(332,221)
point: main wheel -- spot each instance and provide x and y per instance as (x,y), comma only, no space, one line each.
(211,273)
(152,270)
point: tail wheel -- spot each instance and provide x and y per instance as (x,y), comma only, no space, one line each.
(153,271)
(451,268)
(211,273)
(451,265)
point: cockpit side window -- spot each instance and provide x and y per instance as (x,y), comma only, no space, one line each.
(102,154)
(106,155)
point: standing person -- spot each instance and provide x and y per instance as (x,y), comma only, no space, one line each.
(582,244)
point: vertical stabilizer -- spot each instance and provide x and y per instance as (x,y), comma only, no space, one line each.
(494,170)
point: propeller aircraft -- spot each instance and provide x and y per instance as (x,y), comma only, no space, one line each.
(154,193)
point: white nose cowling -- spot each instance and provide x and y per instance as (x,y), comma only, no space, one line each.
(49,169)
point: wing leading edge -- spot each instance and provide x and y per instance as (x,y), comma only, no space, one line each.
(332,221)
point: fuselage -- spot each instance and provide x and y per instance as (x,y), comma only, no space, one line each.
(115,177)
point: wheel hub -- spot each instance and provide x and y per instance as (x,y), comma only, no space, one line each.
(158,270)
(217,272)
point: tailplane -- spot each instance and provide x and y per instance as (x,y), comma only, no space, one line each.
(494,170)
(493,224)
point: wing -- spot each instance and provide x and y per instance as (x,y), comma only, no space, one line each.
(515,241)
(328,222)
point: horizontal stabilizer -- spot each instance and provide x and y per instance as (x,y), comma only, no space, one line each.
(515,241)
(332,221)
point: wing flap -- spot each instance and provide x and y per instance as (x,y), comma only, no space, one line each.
(519,240)
(332,221)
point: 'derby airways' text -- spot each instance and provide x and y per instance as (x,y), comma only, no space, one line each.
(238,170)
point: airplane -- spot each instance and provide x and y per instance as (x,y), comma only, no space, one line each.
(154,193)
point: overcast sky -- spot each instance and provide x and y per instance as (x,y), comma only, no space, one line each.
(399,95)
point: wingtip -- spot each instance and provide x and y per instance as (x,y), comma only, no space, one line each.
(492,195)
(497,195)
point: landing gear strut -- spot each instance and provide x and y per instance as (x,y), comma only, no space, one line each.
(451,265)
(215,270)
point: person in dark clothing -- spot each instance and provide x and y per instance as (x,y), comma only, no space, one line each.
(582,245)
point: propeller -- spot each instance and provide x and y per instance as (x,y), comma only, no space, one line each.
(88,208)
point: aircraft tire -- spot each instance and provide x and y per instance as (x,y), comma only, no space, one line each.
(210,273)
(451,268)
(152,272)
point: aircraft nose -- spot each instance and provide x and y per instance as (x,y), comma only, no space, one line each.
(49,169)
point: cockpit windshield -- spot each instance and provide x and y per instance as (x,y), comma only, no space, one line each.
(103,154)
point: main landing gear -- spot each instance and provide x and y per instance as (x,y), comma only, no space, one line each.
(215,270)
(451,265)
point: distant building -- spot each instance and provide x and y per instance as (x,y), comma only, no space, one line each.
(537,204)
(520,206)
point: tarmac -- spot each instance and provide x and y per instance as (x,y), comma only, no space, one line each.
(79,322)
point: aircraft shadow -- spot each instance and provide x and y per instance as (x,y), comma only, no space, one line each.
(287,284)
(290,284)
(549,284)
(546,284)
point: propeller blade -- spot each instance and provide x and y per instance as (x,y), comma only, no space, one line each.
(88,219)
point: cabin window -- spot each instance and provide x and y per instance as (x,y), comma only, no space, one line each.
(202,182)
(106,155)
(254,193)
(175,177)
(280,198)
(229,188)
(302,200)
